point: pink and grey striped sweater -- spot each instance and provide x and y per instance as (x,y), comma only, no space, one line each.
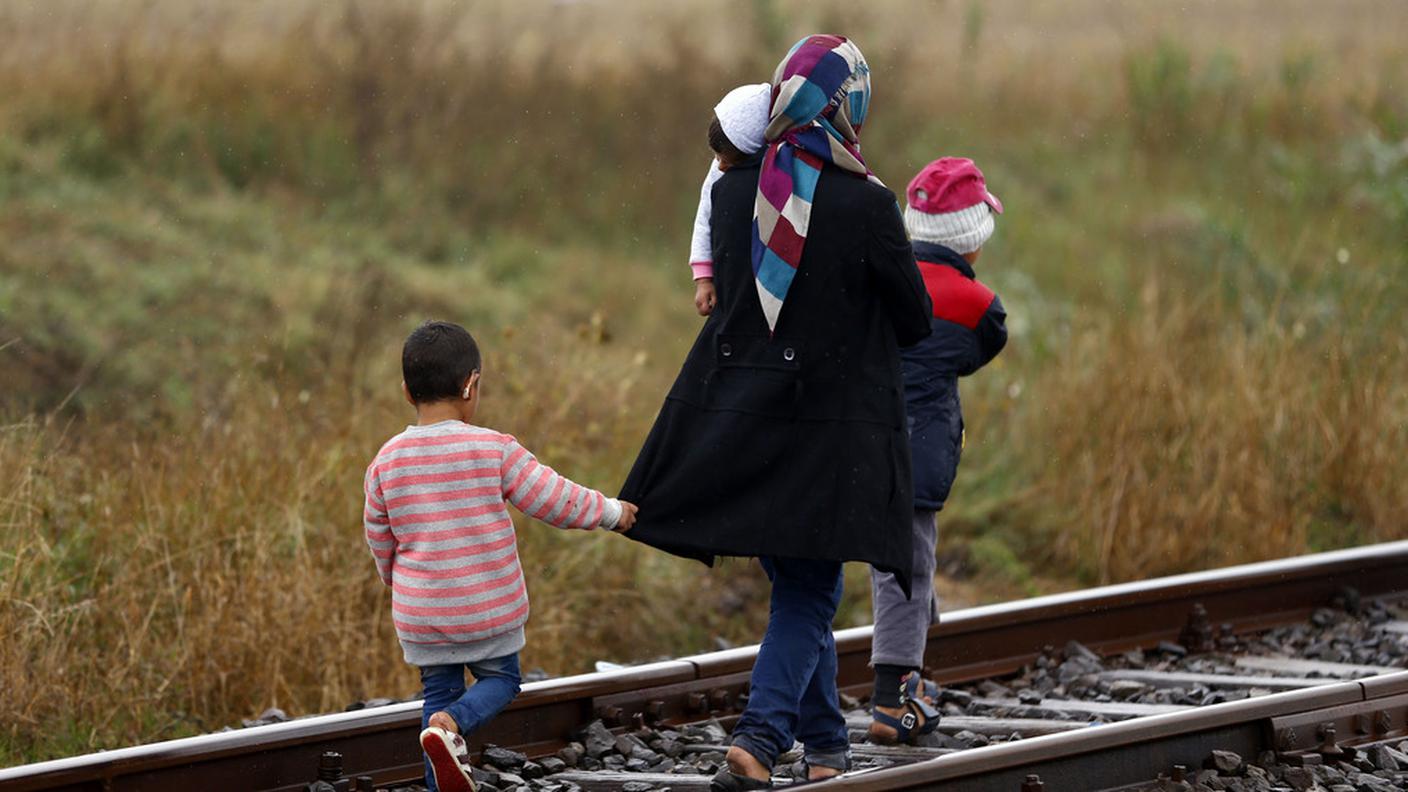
(437,522)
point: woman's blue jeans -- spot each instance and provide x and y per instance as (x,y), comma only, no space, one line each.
(793,692)
(496,682)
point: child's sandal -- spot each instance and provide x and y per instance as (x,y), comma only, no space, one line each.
(916,687)
(907,727)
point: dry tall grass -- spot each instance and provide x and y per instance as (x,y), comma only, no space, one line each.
(159,587)
(1184,444)
(217,221)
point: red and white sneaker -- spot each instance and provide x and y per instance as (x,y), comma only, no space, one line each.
(449,759)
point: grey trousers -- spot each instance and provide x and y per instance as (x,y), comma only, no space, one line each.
(902,625)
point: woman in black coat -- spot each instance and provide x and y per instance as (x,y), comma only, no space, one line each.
(784,436)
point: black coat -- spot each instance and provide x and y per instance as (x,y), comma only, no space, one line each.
(793,445)
(969,330)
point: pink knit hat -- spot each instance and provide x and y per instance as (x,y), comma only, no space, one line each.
(949,205)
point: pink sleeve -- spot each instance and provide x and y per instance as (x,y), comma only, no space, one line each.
(543,494)
(701,251)
(377,523)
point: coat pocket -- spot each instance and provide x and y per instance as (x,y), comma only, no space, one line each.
(757,375)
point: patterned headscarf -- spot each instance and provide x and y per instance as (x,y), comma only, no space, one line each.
(821,92)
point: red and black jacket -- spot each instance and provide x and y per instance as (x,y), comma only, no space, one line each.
(969,329)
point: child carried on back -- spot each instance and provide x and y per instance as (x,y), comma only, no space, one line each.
(438,526)
(735,136)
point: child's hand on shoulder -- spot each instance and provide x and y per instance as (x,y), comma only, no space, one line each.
(704,297)
(628,517)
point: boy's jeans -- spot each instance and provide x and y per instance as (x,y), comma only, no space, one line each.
(496,682)
(793,691)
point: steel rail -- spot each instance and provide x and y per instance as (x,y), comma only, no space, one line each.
(1117,755)
(969,644)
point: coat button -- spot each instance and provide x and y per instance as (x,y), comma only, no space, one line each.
(726,350)
(789,353)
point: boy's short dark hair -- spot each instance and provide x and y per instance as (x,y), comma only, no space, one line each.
(721,145)
(436,360)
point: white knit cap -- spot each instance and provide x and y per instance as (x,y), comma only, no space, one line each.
(743,115)
(963,231)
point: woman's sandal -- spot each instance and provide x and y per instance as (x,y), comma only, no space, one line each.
(802,772)
(726,781)
(907,727)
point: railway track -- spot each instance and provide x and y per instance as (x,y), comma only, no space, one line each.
(1105,688)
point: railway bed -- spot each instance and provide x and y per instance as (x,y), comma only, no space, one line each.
(1063,691)
(1098,689)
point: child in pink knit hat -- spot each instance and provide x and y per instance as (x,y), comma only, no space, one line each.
(735,135)
(950,216)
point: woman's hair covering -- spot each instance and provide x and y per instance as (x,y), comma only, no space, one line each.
(820,96)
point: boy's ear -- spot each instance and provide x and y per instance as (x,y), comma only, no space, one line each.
(405,391)
(470,384)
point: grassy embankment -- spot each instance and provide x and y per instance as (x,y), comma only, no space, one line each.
(216,228)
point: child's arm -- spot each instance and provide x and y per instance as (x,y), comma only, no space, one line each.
(701,252)
(541,493)
(991,332)
(378,526)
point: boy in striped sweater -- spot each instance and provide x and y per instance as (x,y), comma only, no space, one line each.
(438,526)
